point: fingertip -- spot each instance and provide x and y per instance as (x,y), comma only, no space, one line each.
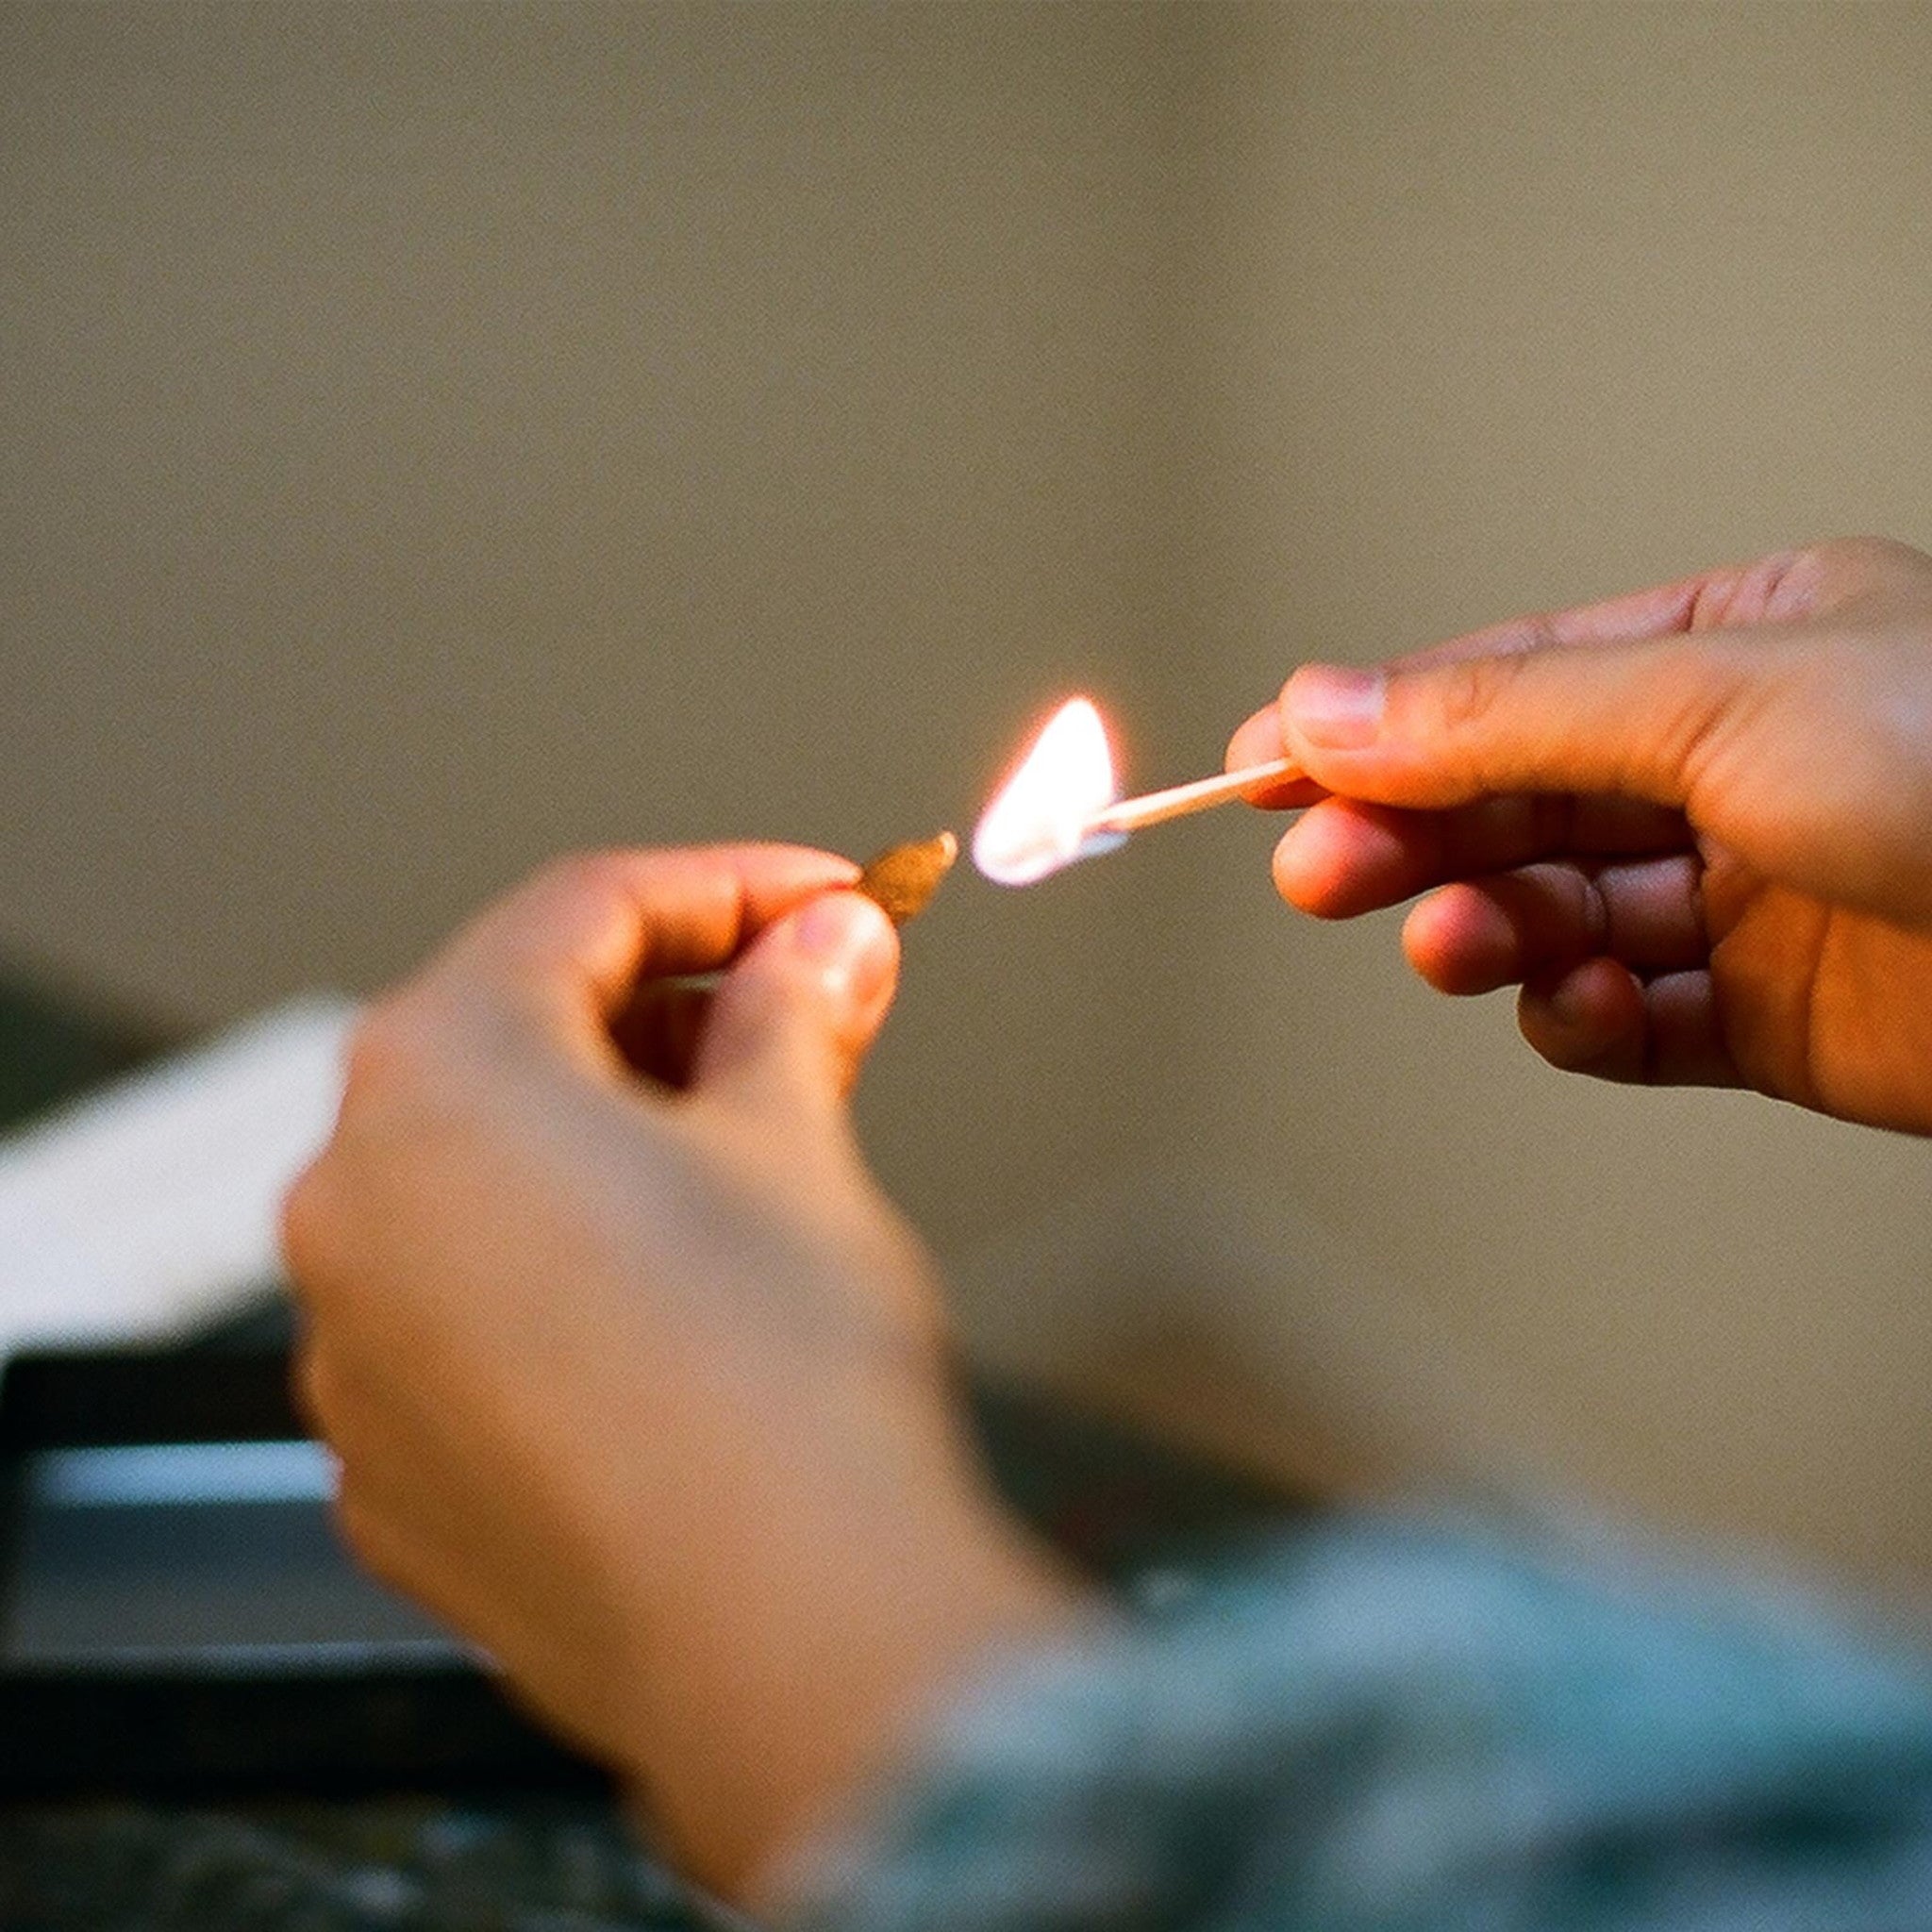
(1586,1019)
(847,941)
(847,947)
(1460,942)
(1310,872)
(1342,858)
(797,1011)
(1257,739)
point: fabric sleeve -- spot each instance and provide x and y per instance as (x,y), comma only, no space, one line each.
(1385,1729)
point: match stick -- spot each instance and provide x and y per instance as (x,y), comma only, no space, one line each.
(1153,807)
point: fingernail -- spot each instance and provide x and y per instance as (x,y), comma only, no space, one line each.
(847,939)
(1336,705)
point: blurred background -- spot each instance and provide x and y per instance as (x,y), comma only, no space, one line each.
(433,437)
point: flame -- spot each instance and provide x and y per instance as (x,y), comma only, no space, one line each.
(1038,821)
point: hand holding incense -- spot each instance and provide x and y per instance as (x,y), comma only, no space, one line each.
(900,880)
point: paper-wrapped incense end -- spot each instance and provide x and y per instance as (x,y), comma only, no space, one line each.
(903,877)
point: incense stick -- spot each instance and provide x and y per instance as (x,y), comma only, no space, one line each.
(1153,807)
(903,877)
(899,880)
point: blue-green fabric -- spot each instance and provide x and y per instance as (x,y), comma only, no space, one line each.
(1391,1728)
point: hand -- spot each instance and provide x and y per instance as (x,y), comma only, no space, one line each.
(1694,823)
(635,1377)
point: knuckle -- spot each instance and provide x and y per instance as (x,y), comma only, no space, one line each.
(1716,696)
(1721,597)
(1863,562)
(388,1051)
(1874,553)
(1463,694)
(1542,630)
(305,1224)
(595,872)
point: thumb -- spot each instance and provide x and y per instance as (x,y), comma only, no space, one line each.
(792,1020)
(1637,718)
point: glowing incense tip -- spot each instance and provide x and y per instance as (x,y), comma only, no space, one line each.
(903,877)
(1039,819)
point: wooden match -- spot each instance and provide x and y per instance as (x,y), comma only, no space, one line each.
(1153,807)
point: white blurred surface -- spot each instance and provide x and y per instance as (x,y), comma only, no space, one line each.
(152,1204)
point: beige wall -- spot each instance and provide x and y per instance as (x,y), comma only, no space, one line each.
(1506,308)
(431,437)
(434,437)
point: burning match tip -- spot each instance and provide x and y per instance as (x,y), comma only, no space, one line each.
(904,877)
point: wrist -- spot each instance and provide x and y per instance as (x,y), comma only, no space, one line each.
(819,1622)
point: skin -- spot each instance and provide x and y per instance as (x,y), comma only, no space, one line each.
(1692,824)
(638,1380)
(635,1377)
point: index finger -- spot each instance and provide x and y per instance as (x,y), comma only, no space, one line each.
(571,945)
(1730,594)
